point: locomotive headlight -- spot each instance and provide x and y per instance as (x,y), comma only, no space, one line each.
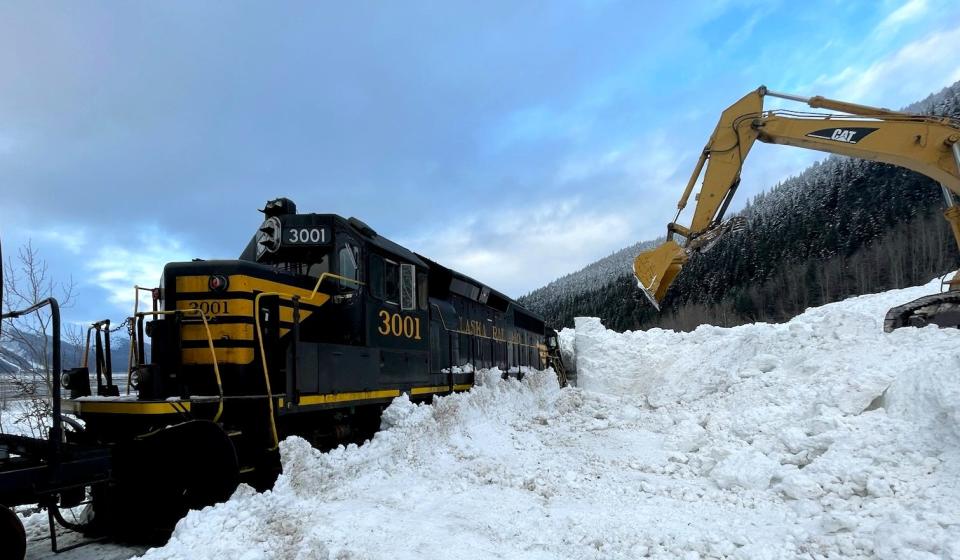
(218,283)
(268,237)
(77,381)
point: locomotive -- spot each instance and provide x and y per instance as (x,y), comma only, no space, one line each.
(312,331)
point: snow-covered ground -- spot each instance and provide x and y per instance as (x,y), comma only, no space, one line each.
(820,438)
(13,417)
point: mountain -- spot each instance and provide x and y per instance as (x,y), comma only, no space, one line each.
(23,355)
(841,227)
(589,278)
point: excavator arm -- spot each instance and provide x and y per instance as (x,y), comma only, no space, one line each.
(927,145)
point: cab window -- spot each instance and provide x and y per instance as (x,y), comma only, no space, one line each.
(422,295)
(397,283)
(375,276)
(318,268)
(391,281)
(408,287)
(349,267)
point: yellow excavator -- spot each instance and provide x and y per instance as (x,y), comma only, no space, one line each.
(926,144)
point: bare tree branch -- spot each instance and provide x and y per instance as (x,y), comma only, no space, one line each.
(26,281)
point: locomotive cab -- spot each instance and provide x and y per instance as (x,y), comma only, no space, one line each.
(315,304)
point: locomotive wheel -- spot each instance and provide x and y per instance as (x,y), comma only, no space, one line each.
(12,535)
(159,477)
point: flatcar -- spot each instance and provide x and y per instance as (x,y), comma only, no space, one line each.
(312,331)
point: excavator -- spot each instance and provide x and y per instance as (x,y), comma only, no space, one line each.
(926,144)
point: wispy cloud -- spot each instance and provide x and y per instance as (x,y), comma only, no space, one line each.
(909,11)
(745,30)
(116,268)
(620,193)
(515,250)
(74,239)
(908,74)
(647,161)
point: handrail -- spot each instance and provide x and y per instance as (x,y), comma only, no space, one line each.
(263,355)
(55,436)
(103,355)
(86,348)
(133,356)
(213,353)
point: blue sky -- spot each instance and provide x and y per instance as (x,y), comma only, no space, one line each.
(515,141)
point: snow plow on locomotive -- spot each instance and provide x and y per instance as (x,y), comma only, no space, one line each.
(317,326)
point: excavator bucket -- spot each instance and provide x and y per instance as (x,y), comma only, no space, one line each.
(656,269)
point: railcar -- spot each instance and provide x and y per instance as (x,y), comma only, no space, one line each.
(312,331)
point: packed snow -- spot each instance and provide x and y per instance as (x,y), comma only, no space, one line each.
(819,438)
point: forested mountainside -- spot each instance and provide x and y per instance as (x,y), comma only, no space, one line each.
(842,227)
(589,278)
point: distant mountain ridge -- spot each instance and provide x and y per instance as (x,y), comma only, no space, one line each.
(821,222)
(16,357)
(594,276)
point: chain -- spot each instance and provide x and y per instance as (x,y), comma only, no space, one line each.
(125,323)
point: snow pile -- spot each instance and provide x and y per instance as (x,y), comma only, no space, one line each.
(855,431)
(819,438)
(431,476)
(567,340)
(466,368)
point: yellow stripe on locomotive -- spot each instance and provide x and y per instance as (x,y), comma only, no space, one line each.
(232,314)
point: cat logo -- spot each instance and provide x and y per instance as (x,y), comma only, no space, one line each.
(845,135)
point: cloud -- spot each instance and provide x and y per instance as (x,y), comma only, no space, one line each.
(73,240)
(908,74)
(603,200)
(645,162)
(744,32)
(910,11)
(117,269)
(517,250)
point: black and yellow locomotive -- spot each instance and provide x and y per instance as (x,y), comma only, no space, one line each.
(317,326)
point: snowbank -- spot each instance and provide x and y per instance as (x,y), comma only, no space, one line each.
(819,438)
(567,340)
(856,430)
(426,486)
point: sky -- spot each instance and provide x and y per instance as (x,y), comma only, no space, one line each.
(513,141)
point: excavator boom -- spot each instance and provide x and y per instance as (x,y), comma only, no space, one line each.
(925,144)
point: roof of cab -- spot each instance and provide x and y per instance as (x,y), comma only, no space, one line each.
(382,243)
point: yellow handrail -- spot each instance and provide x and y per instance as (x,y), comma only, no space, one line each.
(132,357)
(263,355)
(213,353)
